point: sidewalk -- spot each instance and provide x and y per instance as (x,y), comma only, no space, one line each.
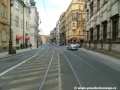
(103,57)
(5,54)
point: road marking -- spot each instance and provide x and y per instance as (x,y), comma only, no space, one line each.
(73,70)
(59,73)
(17,65)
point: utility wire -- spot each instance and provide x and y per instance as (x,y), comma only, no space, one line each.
(45,9)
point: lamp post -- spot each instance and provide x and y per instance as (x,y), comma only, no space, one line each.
(10,38)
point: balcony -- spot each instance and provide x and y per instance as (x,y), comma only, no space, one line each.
(74,28)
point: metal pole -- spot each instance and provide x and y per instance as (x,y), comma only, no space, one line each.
(10,39)
(37,38)
(23,28)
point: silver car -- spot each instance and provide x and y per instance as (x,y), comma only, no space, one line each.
(72,47)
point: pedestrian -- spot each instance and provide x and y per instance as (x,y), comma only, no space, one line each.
(30,46)
(21,46)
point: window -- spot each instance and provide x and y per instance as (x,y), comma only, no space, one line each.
(73,24)
(104,30)
(91,9)
(115,27)
(4,35)
(17,5)
(87,35)
(98,32)
(17,21)
(87,14)
(91,35)
(3,11)
(98,4)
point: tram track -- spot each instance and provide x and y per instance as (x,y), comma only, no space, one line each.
(39,63)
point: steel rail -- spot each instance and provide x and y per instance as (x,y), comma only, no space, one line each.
(3,86)
(73,72)
(46,73)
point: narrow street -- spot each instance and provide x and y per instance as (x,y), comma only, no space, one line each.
(53,67)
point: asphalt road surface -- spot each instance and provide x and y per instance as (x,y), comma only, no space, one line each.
(53,67)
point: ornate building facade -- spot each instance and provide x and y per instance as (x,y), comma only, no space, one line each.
(75,22)
(103,25)
(4,24)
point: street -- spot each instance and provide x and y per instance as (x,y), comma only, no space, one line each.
(53,67)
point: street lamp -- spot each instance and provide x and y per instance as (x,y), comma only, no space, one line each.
(10,39)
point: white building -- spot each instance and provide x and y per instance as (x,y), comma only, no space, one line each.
(34,23)
(20,18)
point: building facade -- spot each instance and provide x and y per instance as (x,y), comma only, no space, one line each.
(20,18)
(75,22)
(4,24)
(62,29)
(57,32)
(103,25)
(34,23)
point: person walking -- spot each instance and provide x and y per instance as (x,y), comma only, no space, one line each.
(30,46)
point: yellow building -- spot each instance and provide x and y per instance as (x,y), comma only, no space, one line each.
(75,22)
(4,24)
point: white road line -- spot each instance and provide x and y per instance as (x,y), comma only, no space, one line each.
(73,70)
(59,73)
(17,65)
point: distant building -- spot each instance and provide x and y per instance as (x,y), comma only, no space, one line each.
(44,38)
(34,23)
(62,31)
(57,32)
(103,25)
(75,22)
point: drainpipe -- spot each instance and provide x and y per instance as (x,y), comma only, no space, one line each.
(23,28)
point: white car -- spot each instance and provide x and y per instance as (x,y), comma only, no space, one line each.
(72,47)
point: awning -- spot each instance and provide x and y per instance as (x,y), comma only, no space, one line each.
(27,37)
(82,39)
(69,39)
(74,38)
(18,37)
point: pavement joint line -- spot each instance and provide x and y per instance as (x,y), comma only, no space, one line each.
(17,65)
(73,71)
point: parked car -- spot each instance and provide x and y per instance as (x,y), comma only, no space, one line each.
(78,45)
(72,47)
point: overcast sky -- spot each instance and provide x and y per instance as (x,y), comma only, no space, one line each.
(54,9)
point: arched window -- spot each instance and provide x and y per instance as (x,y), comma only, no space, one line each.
(4,35)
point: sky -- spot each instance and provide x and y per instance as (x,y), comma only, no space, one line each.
(51,14)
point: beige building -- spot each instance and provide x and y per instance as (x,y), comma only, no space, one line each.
(4,24)
(75,22)
(103,25)
(20,18)
(62,31)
